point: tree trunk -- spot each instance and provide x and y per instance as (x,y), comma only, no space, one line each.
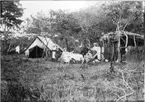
(66,41)
(5,47)
(119,54)
(9,47)
(101,53)
(144,85)
(112,58)
(104,98)
(144,31)
(144,39)
(144,45)
(137,91)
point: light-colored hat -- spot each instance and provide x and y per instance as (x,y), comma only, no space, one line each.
(94,43)
(54,47)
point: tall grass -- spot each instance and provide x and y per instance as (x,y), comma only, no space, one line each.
(25,80)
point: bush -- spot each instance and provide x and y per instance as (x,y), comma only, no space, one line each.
(136,54)
(33,81)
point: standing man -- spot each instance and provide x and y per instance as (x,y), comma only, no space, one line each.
(54,48)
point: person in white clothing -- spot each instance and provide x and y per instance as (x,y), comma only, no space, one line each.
(97,48)
(18,49)
(54,52)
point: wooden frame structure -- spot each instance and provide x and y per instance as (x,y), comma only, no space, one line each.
(120,40)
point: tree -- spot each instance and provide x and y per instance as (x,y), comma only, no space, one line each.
(93,23)
(38,24)
(123,15)
(86,21)
(55,22)
(10,19)
(66,24)
(144,22)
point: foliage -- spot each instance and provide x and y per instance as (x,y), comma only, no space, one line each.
(53,23)
(11,13)
(39,80)
(135,54)
(40,23)
(10,19)
(66,25)
(125,13)
(13,42)
(90,23)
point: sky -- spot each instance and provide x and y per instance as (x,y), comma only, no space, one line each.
(32,7)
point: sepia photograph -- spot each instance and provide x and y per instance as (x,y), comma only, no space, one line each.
(72,51)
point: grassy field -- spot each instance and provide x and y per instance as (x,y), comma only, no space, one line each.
(37,80)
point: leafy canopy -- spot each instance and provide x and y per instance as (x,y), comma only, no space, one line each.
(10,15)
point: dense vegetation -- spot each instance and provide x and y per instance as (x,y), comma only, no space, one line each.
(37,80)
(89,24)
(11,11)
(86,25)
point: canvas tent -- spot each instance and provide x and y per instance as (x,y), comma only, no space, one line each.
(37,47)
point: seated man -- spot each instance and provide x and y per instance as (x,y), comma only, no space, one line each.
(97,49)
(84,51)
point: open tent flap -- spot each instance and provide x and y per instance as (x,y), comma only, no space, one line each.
(36,52)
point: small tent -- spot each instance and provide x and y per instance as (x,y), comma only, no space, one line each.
(15,49)
(37,48)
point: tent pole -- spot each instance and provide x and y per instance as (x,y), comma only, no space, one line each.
(112,57)
(119,55)
(102,53)
(126,40)
(126,44)
(134,40)
(36,52)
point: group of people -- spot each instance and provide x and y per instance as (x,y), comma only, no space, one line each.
(85,55)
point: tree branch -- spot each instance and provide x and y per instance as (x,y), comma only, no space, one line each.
(134,40)
(125,26)
(125,83)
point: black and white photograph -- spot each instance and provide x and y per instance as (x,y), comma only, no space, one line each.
(72,51)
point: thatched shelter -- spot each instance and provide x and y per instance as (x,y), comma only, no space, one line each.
(115,43)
